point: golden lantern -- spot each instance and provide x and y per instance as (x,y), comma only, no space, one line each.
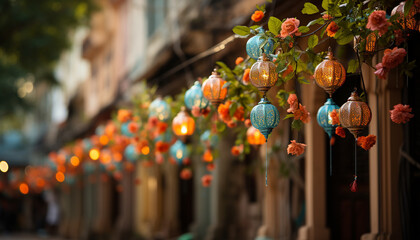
(355,114)
(254,136)
(263,74)
(213,88)
(330,74)
(183,124)
(369,44)
(410,21)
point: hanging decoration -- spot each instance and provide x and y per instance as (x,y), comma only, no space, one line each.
(253,46)
(410,20)
(130,153)
(160,109)
(179,151)
(183,124)
(254,136)
(263,74)
(325,121)
(194,97)
(330,74)
(367,46)
(214,89)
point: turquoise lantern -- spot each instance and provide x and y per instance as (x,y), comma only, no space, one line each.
(179,151)
(208,139)
(130,153)
(265,117)
(325,121)
(160,109)
(253,48)
(194,97)
(125,131)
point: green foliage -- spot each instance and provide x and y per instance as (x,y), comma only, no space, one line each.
(309,8)
(353,65)
(274,25)
(243,31)
(312,41)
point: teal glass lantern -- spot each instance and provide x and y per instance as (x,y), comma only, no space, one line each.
(253,45)
(178,151)
(194,97)
(130,153)
(208,139)
(125,131)
(324,119)
(160,109)
(265,117)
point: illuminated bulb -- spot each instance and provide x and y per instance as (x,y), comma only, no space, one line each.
(74,161)
(145,150)
(94,154)
(4,167)
(184,129)
(60,177)
(23,188)
(179,154)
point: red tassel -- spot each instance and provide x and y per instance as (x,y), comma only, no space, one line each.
(353,185)
(332,141)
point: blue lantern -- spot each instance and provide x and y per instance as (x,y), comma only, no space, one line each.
(160,109)
(165,137)
(130,153)
(253,45)
(323,116)
(265,117)
(209,139)
(179,151)
(125,131)
(194,97)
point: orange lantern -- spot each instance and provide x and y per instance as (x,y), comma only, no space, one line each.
(410,21)
(355,114)
(183,124)
(263,74)
(369,44)
(330,74)
(254,136)
(213,88)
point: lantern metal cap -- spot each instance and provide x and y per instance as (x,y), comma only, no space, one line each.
(263,57)
(215,73)
(264,100)
(330,55)
(197,83)
(354,96)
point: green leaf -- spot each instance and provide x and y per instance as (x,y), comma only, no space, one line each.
(325,4)
(297,124)
(220,126)
(309,8)
(316,21)
(226,85)
(407,6)
(303,29)
(312,41)
(241,30)
(232,108)
(274,25)
(352,66)
(345,38)
(288,116)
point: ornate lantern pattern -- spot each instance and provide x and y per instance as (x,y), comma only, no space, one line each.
(411,20)
(265,117)
(253,45)
(213,89)
(263,74)
(355,114)
(160,109)
(194,97)
(183,124)
(330,74)
(254,136)
(323,116)
(179,151)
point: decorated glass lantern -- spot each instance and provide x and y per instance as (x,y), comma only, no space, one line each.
(254,136)
(410,21)
(263,74)
(323,116)
(213,89)
(183,124)
(194,97)
(178,151)
(160,109)
(355,114)
(253,46)
(330,74)
(369,44)
(130,153)
(125,131)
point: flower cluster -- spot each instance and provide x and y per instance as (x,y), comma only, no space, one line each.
(391,59)
(401,113)
(298,110)
(295,148)
(224,115)
(377,21)
(366,142)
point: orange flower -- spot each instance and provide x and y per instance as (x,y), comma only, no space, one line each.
(332,29)
(185,174)
(236,150)
(195,111)
(248,123)
(161,127)
(288,70)
(393,58)
(257,16)
(334,117)
(245,78)
(381,72)
(152,122)
(327,17)
(239,113)
(161,147)
(207,156)
(239,60)
(206,180)
(290,28)
(133,127)
(224,111)
(401,113)
(293,102)
(377,21)
(366,142)
(231,124)
(186,161)
(124,115)
(302,114)
(340,132)
(210,167)
(205,111)
(295,148)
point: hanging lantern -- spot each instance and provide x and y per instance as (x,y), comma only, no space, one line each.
(265,117)
(125,131)
(160,109)
(323,116)
(330,74)
(253,46)
(178,151)
(194,97)
(130,153)
(254,136)
(183,124)
(213,89)
(369,45)
(355,114)
(410,21)
(263,74)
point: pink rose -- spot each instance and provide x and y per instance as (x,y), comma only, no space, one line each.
(293,101)
(393,58)
(401,113)
(196,111)
(381,72)
(290,28)
(295,148)
(377,21)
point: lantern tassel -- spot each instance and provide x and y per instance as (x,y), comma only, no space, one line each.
(330,158)
(266,163)
(353,185)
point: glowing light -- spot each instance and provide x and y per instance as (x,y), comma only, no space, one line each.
(145,150)
(104,140)
(4,167)
(23,188)
(74,161)
(184,129)
(94,154)
(60,177)
(179,154)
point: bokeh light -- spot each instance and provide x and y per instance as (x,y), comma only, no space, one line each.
(60,177)
(74,161)
(23,188)
(94,154)
(4,167)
